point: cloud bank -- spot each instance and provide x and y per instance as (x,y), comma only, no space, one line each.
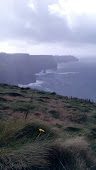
(48,26)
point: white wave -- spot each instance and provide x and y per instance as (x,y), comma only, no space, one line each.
(38,83)
(43,73)
(47,89)
(69,73)
(50,71)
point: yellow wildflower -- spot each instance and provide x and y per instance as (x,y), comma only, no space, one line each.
(41,130)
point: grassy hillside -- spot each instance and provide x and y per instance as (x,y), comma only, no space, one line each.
(42,130)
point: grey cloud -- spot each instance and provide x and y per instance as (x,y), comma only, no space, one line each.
(43,26)
(85,30)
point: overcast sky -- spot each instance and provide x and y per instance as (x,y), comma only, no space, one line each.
(48,26)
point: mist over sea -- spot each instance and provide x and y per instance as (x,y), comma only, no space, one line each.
(77,79)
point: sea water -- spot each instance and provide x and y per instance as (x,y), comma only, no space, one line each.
(77,79)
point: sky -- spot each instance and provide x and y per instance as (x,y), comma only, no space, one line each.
(56,27)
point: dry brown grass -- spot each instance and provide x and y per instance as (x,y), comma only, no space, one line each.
(73,154)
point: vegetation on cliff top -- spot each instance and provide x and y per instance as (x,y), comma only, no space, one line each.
(42,130)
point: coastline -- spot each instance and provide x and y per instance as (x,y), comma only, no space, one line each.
(22,68)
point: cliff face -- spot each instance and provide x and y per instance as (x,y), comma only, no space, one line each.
(21,68)
(66,58)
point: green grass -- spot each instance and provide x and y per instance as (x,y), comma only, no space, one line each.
(80,107)
(4,106)
(24,106)
(54,114)
(23,128)
(80,118)
(69,138)
(22,145)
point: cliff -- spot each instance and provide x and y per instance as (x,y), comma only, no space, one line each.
(21,68)
(66,58)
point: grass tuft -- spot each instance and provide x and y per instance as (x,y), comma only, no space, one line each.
(71,155)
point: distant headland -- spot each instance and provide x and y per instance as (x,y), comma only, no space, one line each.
(19,68)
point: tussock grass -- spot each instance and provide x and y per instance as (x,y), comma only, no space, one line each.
(71,155)
(26,148)
(31,156)
(22,145)
(20,131)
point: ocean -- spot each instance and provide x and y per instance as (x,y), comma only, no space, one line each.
(76,79)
